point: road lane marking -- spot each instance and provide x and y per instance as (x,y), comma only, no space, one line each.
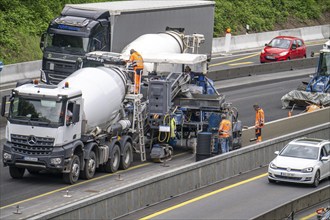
(237,64)
(234,60)
(232,55)
(309,216)
(81,183)
(203,196)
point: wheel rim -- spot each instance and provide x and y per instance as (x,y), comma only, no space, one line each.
(115,159)
(91,165)
(75,170)
(127,156)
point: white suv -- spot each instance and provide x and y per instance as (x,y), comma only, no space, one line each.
(303,160)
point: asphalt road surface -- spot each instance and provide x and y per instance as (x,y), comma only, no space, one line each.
(242,197)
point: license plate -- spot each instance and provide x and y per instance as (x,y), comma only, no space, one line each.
(30,158)
(270,57)
(287,174)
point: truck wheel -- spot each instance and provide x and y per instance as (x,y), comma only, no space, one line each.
(126,158)
(90,167)
(113,163)
(73,176)
(16,173)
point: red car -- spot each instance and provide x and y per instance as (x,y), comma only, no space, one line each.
(283,48)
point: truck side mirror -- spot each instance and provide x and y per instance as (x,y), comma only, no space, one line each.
(42,41)
(3,106)
(75,113)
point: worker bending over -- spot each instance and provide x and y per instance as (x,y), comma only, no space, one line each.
(137,63)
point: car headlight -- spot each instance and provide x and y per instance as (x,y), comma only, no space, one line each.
(6,156)
(262,51)
(56,161)
(307,170)
(272,165)
(283,53)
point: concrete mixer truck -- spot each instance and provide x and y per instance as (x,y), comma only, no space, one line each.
(91,120)
(110,26)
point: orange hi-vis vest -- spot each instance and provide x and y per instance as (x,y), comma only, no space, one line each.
(224,128)
(136,60)
(260,118)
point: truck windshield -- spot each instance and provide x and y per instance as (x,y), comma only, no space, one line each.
(66,43)
(324,65)
(43,112)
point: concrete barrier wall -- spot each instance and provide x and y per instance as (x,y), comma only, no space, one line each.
(242,42)
(143,193)
(18,71)
(263,69)
(283,211)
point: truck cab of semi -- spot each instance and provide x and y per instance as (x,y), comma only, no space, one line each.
(40,132)
(70,36)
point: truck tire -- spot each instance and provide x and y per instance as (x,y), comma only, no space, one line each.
(16,173)
(90,167)
(73,176)
(113,163)
(126,158)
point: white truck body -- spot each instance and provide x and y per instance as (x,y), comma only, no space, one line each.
(103,91)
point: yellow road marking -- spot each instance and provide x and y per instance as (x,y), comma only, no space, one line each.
(237,64)
(81,183)
(309,216)
(234,60)
(203,196)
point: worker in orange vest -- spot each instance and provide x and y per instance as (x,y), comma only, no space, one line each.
(224,133)
(137,63)
(259,123)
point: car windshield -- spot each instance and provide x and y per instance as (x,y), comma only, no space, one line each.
(279,43)
(300,151)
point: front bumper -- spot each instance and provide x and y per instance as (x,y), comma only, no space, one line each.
(36,162)
(290,176)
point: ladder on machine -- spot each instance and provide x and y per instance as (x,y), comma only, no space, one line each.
(138,114)
(138,117)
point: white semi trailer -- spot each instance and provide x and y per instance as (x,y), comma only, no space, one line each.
(110,26)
